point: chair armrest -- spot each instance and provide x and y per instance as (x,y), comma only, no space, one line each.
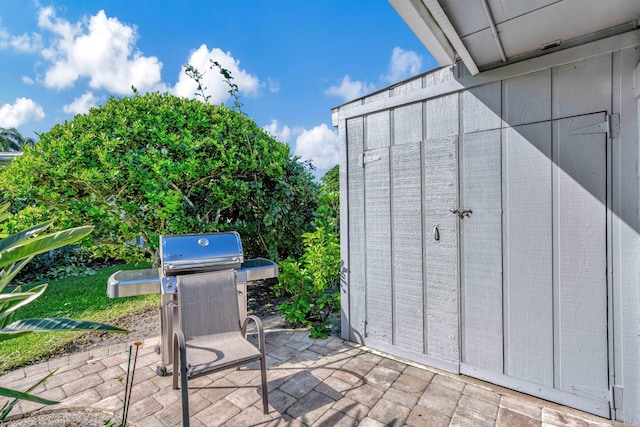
(178,338)
(259,326)
(256,320)
(179,358)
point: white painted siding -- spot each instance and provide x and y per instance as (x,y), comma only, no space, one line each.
(379,291)
(580,300)
(541,278)
(481,249)
(408,295)
(441,256)
(356,231)
(528,266)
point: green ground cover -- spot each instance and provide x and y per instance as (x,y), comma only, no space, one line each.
(82,298)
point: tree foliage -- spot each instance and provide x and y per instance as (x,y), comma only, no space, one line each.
(155,164)
(331,180)
(313,281)
(12,140)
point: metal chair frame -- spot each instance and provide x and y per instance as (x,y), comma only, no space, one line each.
(182,370)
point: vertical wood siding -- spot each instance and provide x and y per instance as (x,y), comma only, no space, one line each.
(378,246)
(582,87)
(378,130)
(527,249)
(441,256)
(579,256)
(442,117)
(518,292)
(345,288)
(626,234)
(527,99)
(356,267)
(407,247)
(481,108)
(481,241)
(407,126)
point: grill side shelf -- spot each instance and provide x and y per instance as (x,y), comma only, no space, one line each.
(129,283)
(256,269)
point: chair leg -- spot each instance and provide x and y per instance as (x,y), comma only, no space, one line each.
(265,392)
(176,365)
(180,352)
(263,359)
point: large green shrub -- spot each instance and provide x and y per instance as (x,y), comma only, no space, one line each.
(154,164)
(313,281)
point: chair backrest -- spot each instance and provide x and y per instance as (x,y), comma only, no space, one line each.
(208,303)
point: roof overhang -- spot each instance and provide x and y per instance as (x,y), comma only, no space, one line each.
(486,34)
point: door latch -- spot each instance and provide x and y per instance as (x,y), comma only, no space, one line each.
(462,212)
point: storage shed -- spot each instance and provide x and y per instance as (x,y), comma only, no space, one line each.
(490,208)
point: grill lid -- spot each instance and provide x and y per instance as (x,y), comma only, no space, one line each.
(200,252)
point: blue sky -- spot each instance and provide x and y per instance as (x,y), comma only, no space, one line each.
(292,60)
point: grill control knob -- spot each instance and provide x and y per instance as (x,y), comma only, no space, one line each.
(203,241)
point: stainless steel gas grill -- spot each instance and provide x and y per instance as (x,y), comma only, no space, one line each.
(188,254)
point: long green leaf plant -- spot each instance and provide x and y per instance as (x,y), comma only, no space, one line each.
(16,250)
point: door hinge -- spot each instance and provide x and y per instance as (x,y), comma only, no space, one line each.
(616,398)
(368,159)
(614,125)
(610,126)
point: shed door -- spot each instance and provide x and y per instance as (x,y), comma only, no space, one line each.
(533,260)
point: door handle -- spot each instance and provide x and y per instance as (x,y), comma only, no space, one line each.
(462,212)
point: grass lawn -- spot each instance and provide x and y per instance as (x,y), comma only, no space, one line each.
(82,298)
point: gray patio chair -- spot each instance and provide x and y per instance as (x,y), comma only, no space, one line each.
(210,338)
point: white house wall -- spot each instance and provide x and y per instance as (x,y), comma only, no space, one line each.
(403,151)
(626,236)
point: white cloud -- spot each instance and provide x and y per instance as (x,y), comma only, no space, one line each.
(282,134)
(274,85)
(320,145)
(27,80)
(23,43)
(101,49)
(214,82)
(403,64)
(350,89)
(24,110)
(81,104)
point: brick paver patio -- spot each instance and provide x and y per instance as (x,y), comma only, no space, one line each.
(323,382)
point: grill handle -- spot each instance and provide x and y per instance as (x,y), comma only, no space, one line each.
(192,264)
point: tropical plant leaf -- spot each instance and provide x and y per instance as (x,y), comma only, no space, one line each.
(58,324)
(43,244)
(6,336)
(23,235)
(4,216)
(13,301)
(15,252)
(10,271)
(4,207)
(7,392)
(7,408)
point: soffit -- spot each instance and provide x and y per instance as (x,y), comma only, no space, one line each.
(524,28)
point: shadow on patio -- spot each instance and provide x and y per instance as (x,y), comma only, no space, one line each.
(323,382)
